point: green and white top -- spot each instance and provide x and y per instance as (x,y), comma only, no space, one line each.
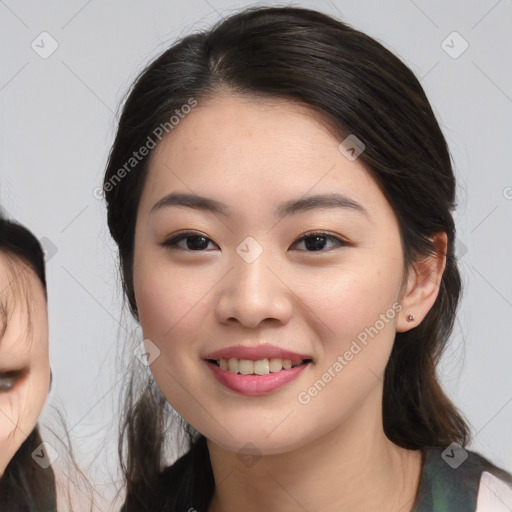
(469,484)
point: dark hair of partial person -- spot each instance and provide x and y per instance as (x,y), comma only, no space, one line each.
(358,87)
(25,486)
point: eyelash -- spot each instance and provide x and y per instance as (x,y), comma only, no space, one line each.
(9,380)
(172,242)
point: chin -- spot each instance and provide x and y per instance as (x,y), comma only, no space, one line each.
(256,441)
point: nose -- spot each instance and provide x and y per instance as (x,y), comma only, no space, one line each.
(252,293)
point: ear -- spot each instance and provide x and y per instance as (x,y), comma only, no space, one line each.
(423,283)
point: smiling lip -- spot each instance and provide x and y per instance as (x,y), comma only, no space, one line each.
(263,351)
(255,385)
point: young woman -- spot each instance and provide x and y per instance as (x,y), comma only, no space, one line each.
(25,377)
(281,195)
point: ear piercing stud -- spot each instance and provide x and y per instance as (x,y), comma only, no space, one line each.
(410,318)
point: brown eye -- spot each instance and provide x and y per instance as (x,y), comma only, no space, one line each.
(9,379)
(193,242)
(315,242)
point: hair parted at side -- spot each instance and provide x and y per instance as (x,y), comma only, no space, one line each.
(359,87)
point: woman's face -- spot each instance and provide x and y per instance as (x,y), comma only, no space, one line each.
(260,276)
(24,360)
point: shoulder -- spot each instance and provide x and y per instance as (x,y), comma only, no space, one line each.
(454,478)
(494,494)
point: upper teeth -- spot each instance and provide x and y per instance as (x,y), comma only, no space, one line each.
(259,367)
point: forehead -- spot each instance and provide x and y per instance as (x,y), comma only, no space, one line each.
(11,273)
(21,291)
(26,322)
(15,275)
(239,147)
(264,133)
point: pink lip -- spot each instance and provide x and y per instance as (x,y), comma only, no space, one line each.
(254,385)
(263,351)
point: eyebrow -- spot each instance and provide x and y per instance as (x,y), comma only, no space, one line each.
(294,206)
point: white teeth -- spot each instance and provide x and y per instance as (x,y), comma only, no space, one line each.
(259,367)
(245,367)
(276,365)
(233,365)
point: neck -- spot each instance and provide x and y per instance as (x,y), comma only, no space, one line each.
(352,468)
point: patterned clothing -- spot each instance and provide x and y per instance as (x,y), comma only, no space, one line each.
(471,485)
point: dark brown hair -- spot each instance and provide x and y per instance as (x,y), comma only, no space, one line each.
(359,87)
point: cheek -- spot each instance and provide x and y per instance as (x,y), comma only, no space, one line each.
(355,310)
(22,406)
(172,307)
(351,299)
(33,397)
(38,388)
(169,301)
(359,308)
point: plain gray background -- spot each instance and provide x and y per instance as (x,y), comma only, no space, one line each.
(58,118)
